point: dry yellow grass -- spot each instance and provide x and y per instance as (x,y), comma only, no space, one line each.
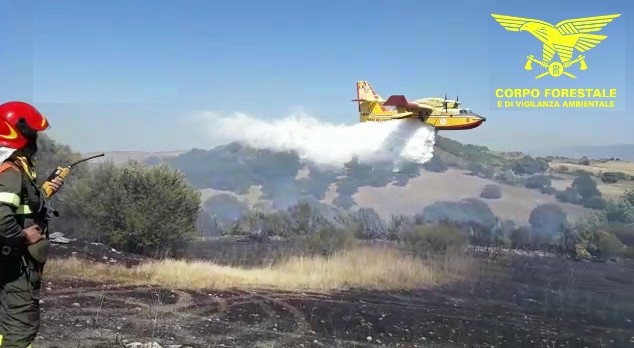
(595,166)
(368,268)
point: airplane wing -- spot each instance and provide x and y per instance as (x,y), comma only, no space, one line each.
(401,103)
(402,115)
(512,23)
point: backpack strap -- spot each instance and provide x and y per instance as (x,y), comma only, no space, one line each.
(8,165)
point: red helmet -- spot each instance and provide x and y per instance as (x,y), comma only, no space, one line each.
(19,122)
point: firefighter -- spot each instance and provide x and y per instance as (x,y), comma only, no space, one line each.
(22,244)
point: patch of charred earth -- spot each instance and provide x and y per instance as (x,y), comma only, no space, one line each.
(511,303)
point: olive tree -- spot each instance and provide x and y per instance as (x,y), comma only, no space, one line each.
(147,210)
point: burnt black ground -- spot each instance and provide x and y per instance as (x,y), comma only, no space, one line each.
(515,301)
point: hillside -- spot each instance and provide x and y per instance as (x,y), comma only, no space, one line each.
(235,178)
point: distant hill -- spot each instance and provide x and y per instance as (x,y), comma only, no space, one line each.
(119,157)
(621,151)
(234,178)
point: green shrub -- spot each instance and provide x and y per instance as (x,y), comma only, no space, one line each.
(538,182)
(595,203)
(569,195)
(609,178)
(520,238)
(328,240)
(491,192)
(145,210)
(529,165)
(586,187)
(608,245)
(481,170)
(619,211)
(426,240)
(507,177)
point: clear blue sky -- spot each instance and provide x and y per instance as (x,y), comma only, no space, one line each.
(127,75)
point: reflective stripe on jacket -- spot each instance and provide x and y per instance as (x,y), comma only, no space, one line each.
(19,199)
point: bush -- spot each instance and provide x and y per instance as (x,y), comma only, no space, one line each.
(607,245)
(569,195)
(507,177)
(399,226)
(146,210)
(427,240)
(480,170)
(520,238)
(588,223)
(595,203)
(624,232)
(328,240)
(491,192)
(562,169)
(547,218)
(436,164)
(619,211)
(586,187)
(344,201)
(371,226)
(628,196)
(538,182)
(303,219)
(529,165)
(466,211)
(609,178)
(259,226)
(581,172)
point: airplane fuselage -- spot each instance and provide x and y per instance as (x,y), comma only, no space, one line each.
(453,118)
(441,113)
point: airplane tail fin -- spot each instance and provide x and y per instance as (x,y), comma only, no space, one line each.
(365,92)
(368,100)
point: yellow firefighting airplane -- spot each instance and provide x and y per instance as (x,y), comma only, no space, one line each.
(442,114)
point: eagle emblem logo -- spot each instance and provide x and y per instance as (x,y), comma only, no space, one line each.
(563,39)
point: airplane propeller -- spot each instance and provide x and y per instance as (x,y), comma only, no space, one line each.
(445,102)
(455,105)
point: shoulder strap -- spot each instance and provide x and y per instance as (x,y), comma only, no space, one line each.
(8,165)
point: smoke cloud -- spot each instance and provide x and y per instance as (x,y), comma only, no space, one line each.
(327,144)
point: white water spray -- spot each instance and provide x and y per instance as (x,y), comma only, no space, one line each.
(327,144)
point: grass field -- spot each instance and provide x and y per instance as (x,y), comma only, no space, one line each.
(369,268)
